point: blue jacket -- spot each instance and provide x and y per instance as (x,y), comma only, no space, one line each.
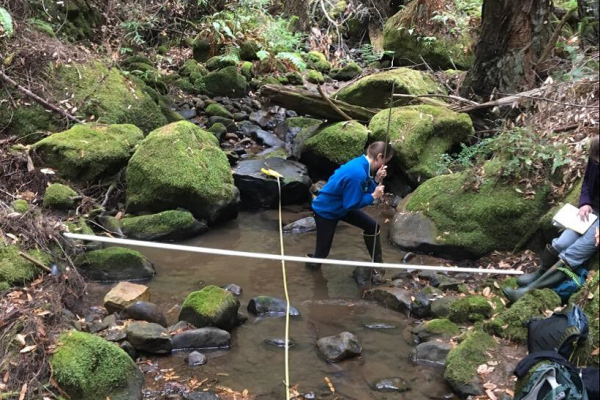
(349,188)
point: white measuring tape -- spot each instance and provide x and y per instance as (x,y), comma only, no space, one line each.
(265,256)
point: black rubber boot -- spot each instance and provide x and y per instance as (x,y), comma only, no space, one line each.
(311,265)
(551,278)
(548,258)
(362,275)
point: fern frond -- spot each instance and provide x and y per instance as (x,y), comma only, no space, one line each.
(6,22)
(570,274)
(294,58)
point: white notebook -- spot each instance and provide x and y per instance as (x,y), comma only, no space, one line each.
(567,217)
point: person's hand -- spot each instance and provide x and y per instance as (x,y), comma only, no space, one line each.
(381,174)
(378,193)
(597,237)
(584,212)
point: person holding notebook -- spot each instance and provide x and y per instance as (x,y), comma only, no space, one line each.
(570,250)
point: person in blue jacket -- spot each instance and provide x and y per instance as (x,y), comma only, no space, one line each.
(570,250)
(353,186)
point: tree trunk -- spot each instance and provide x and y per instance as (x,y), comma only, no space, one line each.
(513,36)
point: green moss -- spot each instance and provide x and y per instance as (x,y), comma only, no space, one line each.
(135,59)
(218,129)
(347,72)
(318,61)
(218,110)
(109,96)
(248,50)
(496,217)
(374,90)
(572,197)
(420,135)
(59,196)
(225,82)
(15,270)
(339,142)
(219,62)
(88,152)
(180,166)
(4,286)
(588,353)
(209,302)
(88,367)
(80,226)
(464,359)
(192,67)
(283,80)
(443,52)
(156,225)
(442,326)
(20,206)
(315,77)
(247,70)
(295,78)
(471,308)
(27,122)
(512,323)
(114,263)
(201,48)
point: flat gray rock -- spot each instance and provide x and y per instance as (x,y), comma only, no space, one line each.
(339,347)
(203,338)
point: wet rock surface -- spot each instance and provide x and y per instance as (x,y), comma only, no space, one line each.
(270,306)
(149,337)
(339,347)
(203,338)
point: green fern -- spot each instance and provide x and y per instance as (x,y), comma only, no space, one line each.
(6,22)
(294,58)
(570,274)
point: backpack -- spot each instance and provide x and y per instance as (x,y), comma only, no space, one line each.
(549,377)
(568,287)
(562,332)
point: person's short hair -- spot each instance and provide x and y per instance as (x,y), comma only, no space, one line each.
(594,151)
(385,149)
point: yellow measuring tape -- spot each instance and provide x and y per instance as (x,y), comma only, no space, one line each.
(278,176)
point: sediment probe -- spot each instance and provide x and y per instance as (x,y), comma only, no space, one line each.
(276,257)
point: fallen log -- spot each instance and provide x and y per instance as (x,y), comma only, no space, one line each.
(305,102)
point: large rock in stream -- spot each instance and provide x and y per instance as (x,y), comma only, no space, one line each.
(339,347)
(420,135)
(114,264)
(260,190)
(211,306)
(374,90)
(145,311)
(167,225)
(270,306)
(397,299)
(180,165)
(203,338)
(88,152)
(87,367)
(149,337)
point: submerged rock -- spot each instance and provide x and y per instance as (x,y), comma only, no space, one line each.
(339,347)
(280,342)
(195,358)
(114,264)
(396,299)
(303,225)
(259,190)
(203,338)
(233,289)
(87,367)
(391,385)
(211,306)
(180,165)
(145,311)
(167,225)
(149,337)
(266,305)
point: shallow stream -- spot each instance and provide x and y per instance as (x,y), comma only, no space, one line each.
(329,301)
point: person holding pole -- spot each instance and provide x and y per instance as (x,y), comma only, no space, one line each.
(353,186)
(570,250)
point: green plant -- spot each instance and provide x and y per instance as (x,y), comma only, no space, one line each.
(294,58)
(570,274)
(369,54)
(279,38)
(6,22)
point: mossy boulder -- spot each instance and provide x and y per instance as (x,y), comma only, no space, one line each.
(413,41)
(218,129)
(248,50)
(247,69)
(347,72)
(15,270)
(202,48)
(114,264)
(512,323)
(26,122)
(468,223)
(87,367)
(470,309)
(108,95)
(60,197)
(192,68)
(420,135)
(315,77)
(167,225)
(217,110)
(588,299)
(225,82)
(463,361)
(374,90)
(333,146)
(295,78)
(436,329)
(89,152)
(181,166)
(211,306)
(318,61)
(219,62)
(300,129)
(20,206)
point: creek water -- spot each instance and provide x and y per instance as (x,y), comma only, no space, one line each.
(329,302)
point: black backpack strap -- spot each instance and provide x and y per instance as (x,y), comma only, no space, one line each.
(532,359)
